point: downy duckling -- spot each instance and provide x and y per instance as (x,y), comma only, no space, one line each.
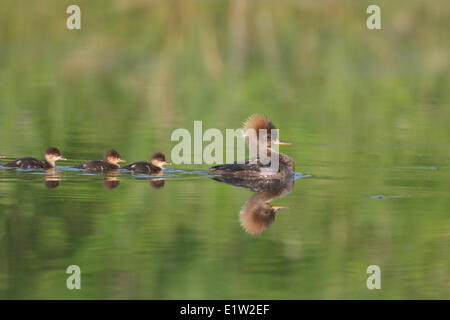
(52,155)
(155,165)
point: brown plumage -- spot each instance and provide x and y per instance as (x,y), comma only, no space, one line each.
(157,183)
(258,122)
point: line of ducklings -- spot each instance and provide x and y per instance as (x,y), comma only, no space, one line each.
(110,162)
(253,168)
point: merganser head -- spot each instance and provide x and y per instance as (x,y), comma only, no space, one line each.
(113,157)
(159,160)
(258,126)
(52,155)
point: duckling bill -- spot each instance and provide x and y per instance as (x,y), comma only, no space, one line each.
(110,162)
(51,155)
(156,164)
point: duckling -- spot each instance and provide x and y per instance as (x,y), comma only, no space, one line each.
(52,154)
(2,157)
(157,161)
(110,162)
(254,168)
(157,183)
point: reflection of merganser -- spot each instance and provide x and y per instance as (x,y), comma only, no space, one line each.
(110,162)
(156,164)
(52,154)
(258,214)
(259,167)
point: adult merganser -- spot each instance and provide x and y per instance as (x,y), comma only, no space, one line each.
(110,162)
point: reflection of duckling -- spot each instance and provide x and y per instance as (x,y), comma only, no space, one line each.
(155,165)
(111,182)
(52,154)
(110,162)
(258,214)
(157,183)
(52,179)
(255,168)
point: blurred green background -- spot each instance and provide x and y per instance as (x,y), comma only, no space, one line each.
(367,110)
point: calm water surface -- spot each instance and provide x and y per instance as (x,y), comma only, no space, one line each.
(181,235)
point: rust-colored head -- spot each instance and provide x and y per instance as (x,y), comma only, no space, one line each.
(257,122)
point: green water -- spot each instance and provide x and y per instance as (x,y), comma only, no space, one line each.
(367,111)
